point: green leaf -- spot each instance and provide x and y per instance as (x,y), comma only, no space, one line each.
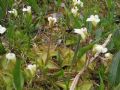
(59,2)
(117,87)
(59,73)
(70,40)
(18,77)
(10,3)
(83,50)
(76,50)
(20,43)
(114,75)
(11,33)
(116,37)
(3,5)
(1,13)
(98,34)
(2,49)
(85,85)
(62,85)
(52,65)
(101,87)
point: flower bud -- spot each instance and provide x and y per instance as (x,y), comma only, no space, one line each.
(108,55)
(82,32)
(2,29)
(99,49)
(77,2)
(10,56)
(14,12)
(28,9)
(52,21)
(74,11)
(32,69)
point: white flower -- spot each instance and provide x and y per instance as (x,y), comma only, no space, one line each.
(74,10)
(11,56)
(99,48)
(52,21)
(2,29)
(94,19)
(82,32)
(28,9)
(32,68)
(13,11)
(81,4)
(108,55)
(78,2)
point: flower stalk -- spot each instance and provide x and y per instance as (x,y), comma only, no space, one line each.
(88,62)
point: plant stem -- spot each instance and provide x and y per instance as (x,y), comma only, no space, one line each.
(48,51)
(75,81)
